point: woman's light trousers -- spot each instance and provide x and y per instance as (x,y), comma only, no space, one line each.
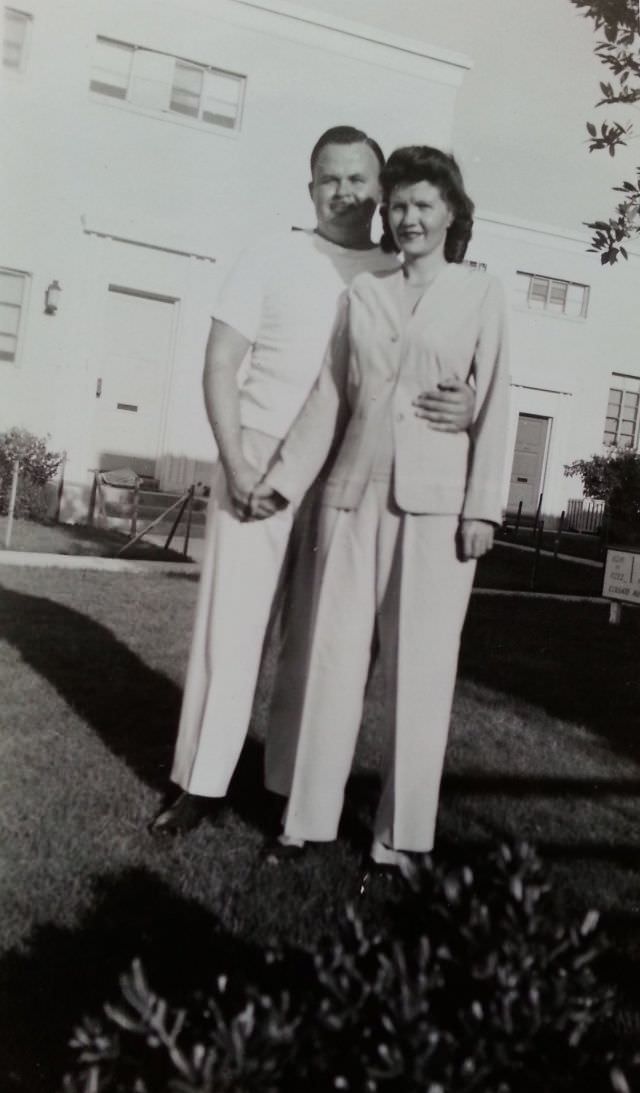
(374,566)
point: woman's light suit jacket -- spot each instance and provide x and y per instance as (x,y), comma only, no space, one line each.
(377,362)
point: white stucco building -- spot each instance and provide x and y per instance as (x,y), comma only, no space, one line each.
(145,142)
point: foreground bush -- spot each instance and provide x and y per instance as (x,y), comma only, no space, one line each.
(473,983)
(37,467)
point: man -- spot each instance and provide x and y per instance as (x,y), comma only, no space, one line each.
(277,307)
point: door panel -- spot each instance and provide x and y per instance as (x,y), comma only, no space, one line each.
(528,462)
(134,361)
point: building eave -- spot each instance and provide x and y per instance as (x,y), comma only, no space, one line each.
(452,66)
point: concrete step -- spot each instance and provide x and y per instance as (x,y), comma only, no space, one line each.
(118,505)
(164,527)
(159,531)
(119,501)
(149,511)
(161,499)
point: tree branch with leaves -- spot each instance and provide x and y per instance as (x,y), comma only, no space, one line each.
(619,51)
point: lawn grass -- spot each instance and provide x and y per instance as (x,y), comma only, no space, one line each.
(509,567)
(543,747)
(504,567)
(50,538)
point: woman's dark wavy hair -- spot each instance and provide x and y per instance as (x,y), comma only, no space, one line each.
(420,163)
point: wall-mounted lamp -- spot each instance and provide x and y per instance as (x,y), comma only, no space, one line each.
(52,298)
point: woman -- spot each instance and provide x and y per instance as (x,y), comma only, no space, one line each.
(406,510)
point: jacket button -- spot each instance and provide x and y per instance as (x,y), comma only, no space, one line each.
(393,338)
(400,417)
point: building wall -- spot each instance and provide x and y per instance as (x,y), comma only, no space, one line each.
(561,366)
(110,196)
(138,213)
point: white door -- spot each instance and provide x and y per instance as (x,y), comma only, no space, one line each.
(528,462)
(134,359)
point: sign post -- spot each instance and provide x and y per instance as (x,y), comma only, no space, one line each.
(621,582)
(12,503)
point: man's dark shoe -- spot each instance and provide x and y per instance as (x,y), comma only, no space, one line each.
(186,812)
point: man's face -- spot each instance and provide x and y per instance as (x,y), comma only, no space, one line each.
(345,190)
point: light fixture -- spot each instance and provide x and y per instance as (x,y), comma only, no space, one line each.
(51,298)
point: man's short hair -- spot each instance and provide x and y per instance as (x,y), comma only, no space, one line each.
(345,134)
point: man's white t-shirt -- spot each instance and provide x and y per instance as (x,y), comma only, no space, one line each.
(282,296)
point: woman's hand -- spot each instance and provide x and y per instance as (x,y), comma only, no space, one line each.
(448,407)
(265,502)
(475,538)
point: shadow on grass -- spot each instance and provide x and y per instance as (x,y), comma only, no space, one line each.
(68,973)
(133,708)
(562,657)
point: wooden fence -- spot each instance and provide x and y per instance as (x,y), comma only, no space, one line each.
(585,515)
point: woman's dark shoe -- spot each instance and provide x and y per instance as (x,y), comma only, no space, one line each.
(186,812)
(384,857)
(282,849)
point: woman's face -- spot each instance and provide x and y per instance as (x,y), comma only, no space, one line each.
(419,218)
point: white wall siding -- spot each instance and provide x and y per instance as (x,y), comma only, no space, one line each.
(103,192)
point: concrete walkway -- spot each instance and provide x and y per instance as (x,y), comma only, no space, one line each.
(91,561)
(536,595)
(550,554)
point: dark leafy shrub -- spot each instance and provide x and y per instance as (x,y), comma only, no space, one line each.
(37,467)
(615,479)
(473,984)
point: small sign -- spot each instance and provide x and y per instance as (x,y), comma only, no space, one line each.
(622,576)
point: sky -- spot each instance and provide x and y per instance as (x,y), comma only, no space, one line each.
(520,131)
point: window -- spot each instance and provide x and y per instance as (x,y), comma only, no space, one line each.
(12,295)
(14,44)
(213,97)
(112,69)
(166,84)
(186,90)
(549,294)
(621,422)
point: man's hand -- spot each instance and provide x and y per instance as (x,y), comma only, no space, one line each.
(475,538)
(251,497)
(242,480)
(448,407)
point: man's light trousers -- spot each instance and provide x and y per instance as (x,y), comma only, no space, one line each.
(240,573)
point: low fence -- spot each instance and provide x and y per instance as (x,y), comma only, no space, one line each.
(586,516)
(177,472)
